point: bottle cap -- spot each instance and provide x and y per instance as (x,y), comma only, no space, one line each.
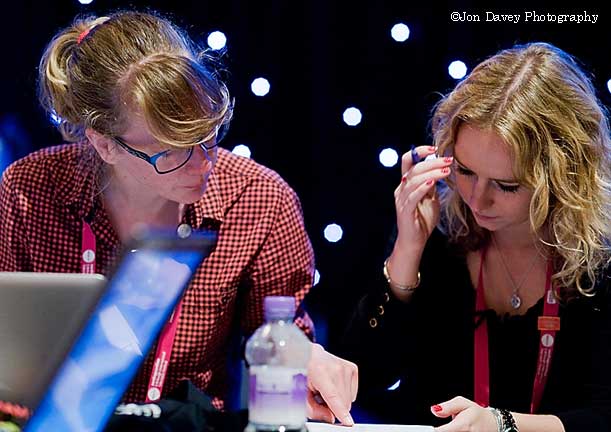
(279,307)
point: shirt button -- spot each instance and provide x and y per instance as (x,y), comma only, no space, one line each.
(380,310)
(184,230)
(373,323)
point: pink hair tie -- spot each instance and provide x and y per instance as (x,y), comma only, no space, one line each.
(82,36)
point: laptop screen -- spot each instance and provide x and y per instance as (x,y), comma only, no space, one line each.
(41,315)
(105,357)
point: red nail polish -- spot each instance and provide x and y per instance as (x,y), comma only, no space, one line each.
(436,408)
(445,170)
(403,179)
(430,182)
(448,159)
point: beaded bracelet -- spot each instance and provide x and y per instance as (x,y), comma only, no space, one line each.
(509,423)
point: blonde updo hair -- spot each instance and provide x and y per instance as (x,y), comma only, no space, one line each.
(96,70)
(544,107)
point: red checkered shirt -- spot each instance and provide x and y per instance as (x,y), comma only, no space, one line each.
(262,250)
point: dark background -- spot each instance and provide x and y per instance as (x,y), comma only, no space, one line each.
(321,56)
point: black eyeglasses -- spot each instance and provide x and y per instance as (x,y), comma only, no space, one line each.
(170,160)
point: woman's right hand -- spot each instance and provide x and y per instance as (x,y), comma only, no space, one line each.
(416,203)
(417,214)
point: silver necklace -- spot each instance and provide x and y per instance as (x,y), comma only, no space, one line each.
(515,300)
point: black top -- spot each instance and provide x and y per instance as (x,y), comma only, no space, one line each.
(428,345)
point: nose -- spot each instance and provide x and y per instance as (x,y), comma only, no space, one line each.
(202,159)
(209,153)
(480,198)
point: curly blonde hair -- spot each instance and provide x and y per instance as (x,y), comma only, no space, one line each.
(544,107)
(97,69)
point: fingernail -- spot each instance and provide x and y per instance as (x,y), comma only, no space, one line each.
(348,420)
(436,408)
(448,159)
(445,170)
(430,182)
(403,179)
(432,149)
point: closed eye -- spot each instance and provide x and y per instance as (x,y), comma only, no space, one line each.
(464,171)
(508,188)
(503,187)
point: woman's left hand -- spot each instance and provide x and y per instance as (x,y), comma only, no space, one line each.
(467,416)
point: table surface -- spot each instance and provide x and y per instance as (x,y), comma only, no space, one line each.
(325,427)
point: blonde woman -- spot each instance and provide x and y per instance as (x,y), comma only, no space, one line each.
(144,111)
(495,293)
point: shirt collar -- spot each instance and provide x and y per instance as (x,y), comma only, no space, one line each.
(227,183)
(209,210)
(78,187)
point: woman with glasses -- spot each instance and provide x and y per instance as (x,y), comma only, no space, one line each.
(144,111)
(496,288)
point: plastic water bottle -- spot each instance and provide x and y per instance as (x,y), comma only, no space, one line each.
(277,354)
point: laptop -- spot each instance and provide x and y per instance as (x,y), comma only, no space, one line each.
(116,336)
(40,316)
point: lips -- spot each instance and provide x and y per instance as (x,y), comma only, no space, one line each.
(481,216)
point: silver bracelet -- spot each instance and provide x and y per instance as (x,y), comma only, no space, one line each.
(498,418)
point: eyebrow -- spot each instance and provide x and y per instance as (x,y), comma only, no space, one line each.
(496,180)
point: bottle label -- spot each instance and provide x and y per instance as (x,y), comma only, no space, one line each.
(277,396)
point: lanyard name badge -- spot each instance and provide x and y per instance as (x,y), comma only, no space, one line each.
(88,249)
(548,324)
(166,339)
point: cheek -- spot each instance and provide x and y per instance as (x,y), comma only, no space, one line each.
(136,167)
(517,206)
(149,179)
(525,206)
(145,176)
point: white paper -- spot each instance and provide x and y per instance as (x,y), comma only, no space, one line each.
(325,427)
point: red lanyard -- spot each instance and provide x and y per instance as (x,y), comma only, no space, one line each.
(548,325)
(162,356)
(166,339)
(88,249)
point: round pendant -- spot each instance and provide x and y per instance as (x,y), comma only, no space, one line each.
(516,301)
